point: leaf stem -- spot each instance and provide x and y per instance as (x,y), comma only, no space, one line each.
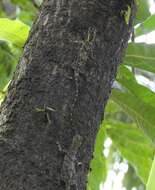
(151,180)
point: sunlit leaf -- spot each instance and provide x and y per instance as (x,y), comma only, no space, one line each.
(13,31)
(145,27)
(151,182)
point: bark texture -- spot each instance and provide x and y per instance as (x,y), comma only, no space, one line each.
(59,91)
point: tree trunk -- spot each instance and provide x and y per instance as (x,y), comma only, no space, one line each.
(56,99)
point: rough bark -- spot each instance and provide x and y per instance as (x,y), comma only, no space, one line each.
(59,92)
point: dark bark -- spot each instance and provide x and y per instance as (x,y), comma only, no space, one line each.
(69,64)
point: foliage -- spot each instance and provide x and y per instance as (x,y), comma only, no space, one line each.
(129,119)
(12,30)
(98,164)
(131,145)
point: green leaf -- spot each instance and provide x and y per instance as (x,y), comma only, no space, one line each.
(141,55)
(27,12)
(130,84)
(98,163)
(151,182)
(140,111)
(7,63)
(145,27)
(25,5)
(3,92)
(125,73)
(13,31)
(143,11)
(133,145)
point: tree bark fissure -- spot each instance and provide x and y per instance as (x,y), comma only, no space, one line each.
(59,91)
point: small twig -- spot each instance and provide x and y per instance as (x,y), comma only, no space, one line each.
(46,109)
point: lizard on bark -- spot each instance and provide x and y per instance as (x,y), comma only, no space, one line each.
(68,170)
